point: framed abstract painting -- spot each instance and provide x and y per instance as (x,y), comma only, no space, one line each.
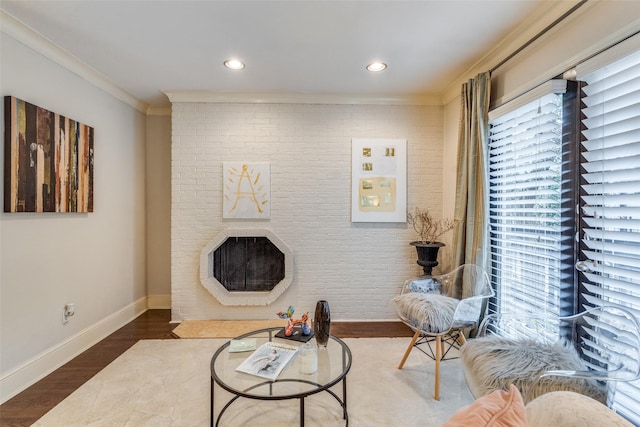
(48,160)
(379,180)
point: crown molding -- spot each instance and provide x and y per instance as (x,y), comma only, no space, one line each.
(158,111)
(300,98)
(19,31)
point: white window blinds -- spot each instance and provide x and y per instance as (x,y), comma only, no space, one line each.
(525,201)
(610,235)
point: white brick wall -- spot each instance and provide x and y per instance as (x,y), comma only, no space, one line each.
(358,267)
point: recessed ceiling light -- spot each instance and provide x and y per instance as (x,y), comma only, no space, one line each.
(376,66)
(233,64)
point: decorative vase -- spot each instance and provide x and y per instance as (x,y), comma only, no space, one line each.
(427,255)
(322,323)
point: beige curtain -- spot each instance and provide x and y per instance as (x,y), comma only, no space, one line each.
(470,231)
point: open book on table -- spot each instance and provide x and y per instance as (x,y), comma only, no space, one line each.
(268,360)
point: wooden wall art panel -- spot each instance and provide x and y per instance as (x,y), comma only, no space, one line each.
(48,160)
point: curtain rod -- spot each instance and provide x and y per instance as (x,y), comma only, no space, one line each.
(537,36)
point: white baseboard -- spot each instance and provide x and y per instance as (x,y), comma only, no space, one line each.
(159,301)
(48,361)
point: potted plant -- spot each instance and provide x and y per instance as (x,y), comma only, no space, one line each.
(428,229)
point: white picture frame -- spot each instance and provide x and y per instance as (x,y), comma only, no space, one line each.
(379,180)
(246,188)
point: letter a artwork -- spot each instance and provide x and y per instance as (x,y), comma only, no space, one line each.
(246,190)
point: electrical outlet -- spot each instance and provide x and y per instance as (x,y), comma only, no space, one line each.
(68,311)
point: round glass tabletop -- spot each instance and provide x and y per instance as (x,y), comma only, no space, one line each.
(333,364)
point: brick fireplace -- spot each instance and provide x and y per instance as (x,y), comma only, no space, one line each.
(357,267)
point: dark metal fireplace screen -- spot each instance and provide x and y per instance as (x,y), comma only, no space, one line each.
(248,264)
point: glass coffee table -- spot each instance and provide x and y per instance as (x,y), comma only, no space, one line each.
(334,363)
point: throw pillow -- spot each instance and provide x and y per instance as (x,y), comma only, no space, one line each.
(498,409)
(569,409)
(428,312)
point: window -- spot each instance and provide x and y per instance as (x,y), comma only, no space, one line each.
(610,198)
(564,186)
(532,200)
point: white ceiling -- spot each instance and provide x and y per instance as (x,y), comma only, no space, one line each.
(289,47)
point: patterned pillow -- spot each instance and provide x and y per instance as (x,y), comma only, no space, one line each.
(429,312)
(425,285)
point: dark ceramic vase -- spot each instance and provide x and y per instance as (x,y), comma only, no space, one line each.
(322,323)
(427,255)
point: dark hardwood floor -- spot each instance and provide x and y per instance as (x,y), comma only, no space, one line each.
(28,406)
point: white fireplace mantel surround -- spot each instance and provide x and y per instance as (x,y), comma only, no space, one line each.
(226,297)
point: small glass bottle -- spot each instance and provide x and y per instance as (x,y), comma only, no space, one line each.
(308,358)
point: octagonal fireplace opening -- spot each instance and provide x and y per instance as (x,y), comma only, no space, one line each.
(246,267)
(245,264)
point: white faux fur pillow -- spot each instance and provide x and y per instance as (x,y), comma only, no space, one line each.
(494,362)
(429,312)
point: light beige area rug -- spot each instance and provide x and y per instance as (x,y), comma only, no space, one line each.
(167,383)
(222,328)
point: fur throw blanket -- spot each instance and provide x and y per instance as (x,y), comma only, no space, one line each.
(428,312)
(493,362)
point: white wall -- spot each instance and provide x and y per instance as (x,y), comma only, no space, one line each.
(95,260)
(158,206)
(358,268)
